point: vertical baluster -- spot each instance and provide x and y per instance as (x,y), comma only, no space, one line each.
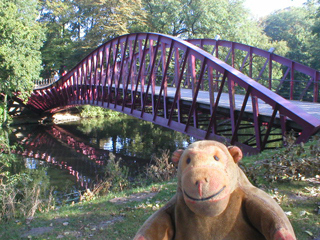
(256,121)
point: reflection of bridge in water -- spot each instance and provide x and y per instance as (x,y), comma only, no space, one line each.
(176,84)
(63,149)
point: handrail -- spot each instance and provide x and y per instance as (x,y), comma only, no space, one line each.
(44,82)
(293,67)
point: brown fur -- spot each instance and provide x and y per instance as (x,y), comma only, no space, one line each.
(216,201)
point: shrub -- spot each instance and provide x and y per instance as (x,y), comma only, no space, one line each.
(295,162)
(116,176)
(88,111)
(160,168)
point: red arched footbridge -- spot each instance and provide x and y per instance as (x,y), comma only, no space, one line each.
(208,89)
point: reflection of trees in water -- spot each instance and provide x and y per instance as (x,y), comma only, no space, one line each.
(129,136)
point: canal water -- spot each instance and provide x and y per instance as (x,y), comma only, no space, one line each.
(74,154)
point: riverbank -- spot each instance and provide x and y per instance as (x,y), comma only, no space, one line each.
(32,118)
(68,115)
(118,216)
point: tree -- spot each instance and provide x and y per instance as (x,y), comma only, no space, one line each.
(191,19)
(55,16)
(293,25)
(315,45)
(20,41)
(74,28)
(203,19)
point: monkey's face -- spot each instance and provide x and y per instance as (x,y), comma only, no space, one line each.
(206,177)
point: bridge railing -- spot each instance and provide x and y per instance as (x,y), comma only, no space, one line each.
(146,75)
(288,78)
(44,82)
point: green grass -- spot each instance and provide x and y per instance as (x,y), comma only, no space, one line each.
(97,219)
(102,219)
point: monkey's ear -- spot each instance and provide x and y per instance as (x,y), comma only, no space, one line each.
(176,156)
(236,153)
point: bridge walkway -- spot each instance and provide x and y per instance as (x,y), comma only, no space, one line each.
(203,99)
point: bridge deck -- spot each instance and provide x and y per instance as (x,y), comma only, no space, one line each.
(203,97)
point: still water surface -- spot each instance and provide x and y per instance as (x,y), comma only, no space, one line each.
(74,153)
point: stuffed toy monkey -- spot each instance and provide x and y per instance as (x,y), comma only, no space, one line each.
(215,201)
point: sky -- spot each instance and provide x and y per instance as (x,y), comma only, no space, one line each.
(261,8)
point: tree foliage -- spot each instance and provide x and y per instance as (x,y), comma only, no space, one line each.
(203,19)
(294,26)
(74,28)
(20,42)
(315,45)
(297,26)
(54,16)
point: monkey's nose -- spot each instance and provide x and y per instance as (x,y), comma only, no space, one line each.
(205,180)
(200,184)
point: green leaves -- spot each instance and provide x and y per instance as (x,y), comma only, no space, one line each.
(20,42)
(294,25)
(74,28)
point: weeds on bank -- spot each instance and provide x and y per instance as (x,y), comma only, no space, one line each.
(21,197)
(115,179)
(22,191)
(160,168)
(116,176)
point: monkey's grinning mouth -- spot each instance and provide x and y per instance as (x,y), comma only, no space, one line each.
(207,198)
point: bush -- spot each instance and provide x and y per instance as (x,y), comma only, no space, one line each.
(88,111)
(161,169)
(116,176)
(295,162)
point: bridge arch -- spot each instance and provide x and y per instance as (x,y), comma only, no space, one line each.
(176,84)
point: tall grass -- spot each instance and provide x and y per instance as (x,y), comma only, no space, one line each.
(22,191)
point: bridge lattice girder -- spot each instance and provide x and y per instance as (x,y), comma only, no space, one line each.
(148,75)
(266,67)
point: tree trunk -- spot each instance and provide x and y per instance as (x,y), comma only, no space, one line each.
(5,106)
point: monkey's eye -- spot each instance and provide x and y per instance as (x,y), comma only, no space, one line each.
(188,160)
(216,158)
